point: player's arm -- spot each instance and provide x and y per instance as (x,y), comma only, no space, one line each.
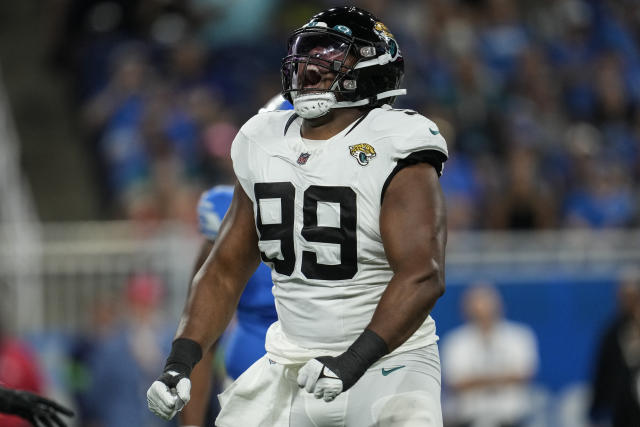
(194,414)
(414,234)
(215,293)
(219,283)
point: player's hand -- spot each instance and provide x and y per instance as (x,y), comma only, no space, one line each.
(39,411)
(326,377)
(168,394)
(317,378)
(172,390)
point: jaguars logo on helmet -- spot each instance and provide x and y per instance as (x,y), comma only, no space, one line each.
(385,34)
(363,153)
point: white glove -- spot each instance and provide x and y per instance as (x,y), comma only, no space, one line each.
(168,394)
(327,376)
(318,379)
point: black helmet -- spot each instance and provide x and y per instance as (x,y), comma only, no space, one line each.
(353,44)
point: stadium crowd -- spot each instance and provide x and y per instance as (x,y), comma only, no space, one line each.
(538,100)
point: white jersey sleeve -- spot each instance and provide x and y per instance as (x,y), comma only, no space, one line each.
(415,138)
(264,125)
(240,154)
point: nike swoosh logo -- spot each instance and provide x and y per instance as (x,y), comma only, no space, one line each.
(434,132)
(386,372)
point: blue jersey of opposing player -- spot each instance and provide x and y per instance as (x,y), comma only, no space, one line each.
(256,309)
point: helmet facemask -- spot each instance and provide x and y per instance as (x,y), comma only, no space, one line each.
(318,71)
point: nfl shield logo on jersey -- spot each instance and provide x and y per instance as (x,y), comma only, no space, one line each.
(302,159)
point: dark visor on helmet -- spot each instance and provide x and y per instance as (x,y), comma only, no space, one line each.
(319,45)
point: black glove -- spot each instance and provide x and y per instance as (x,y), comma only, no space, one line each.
(37,410)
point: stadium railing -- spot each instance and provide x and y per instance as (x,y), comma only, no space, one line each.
(21,231)
(77,264)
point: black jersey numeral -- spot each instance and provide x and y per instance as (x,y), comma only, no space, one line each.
(286,192)
(344,235)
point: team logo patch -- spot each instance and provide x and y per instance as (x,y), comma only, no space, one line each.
(382,29)
(343,29)
(383,32)
(386,371)
(302,158)
(363,153)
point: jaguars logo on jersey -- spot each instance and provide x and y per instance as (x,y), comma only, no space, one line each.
(363,153)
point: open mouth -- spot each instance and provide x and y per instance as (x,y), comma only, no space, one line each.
(323,85)
(315,78)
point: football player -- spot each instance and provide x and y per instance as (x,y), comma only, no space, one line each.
(341,199)
(256,310)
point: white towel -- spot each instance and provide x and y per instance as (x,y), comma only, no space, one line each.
(260,397)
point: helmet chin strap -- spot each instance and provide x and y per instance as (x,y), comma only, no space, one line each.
(314,105)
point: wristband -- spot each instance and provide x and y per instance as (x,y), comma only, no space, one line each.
(353,363)
(185,353)
(368,348)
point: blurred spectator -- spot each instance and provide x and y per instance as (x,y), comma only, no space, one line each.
(605,198)
(459,184)
(616,382)
(503,37)
(488,364)
(113,121)
(150,134)
(217,139)
(124,362)
(18,370)
(526,203)
(103,318)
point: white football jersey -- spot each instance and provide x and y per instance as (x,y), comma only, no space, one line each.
(317,207)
